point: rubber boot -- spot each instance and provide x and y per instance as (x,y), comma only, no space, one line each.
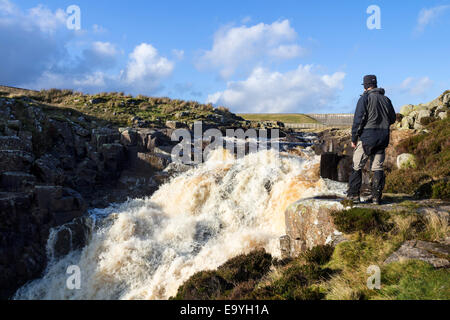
(377,186)
(354,185)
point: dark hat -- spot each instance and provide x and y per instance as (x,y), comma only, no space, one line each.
(370,81)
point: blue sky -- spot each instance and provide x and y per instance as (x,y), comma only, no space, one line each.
(251,56)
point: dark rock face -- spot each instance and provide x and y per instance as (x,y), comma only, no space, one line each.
(52,173)
(336,152)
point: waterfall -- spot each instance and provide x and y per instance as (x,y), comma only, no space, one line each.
(146,248)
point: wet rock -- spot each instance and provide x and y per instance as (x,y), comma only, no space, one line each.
(69,237)
(309,224)
(434,253)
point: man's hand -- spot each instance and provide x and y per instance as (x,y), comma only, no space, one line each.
(353,145)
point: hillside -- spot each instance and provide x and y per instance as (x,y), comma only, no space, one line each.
(125,110)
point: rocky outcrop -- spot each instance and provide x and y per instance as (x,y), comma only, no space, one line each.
(437,254)
(417,117)
(309,224)
(26,218)
(52,168)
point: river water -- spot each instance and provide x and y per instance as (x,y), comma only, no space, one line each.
(146,248)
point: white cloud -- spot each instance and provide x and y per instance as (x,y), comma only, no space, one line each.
(299,90)
(240,46)
(143,75)
(31,42)
(146,67)
(286,51)
(416,86)
(104,48)
(35,54)
(47,20)
(428,16)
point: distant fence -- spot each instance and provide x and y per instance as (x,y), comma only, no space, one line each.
(304,126)
(325,121)
(333,119)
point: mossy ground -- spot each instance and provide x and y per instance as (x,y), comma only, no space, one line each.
(430,177)
(338,273)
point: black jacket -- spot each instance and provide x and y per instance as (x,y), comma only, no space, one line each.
(373,117)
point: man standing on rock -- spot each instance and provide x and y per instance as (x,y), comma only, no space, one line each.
(370,137)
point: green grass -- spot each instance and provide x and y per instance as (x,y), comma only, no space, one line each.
(283,117)
(414,280)
(331,273)
(118,109)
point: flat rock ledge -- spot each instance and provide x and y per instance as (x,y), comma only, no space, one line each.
(437,254)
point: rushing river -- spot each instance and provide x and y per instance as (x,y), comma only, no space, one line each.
(146,248)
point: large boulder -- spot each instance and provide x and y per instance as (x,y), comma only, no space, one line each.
(309,224)
(406,161)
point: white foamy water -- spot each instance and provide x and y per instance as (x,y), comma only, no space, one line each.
(146,248)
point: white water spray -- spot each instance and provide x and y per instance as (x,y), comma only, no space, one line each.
(146,248)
